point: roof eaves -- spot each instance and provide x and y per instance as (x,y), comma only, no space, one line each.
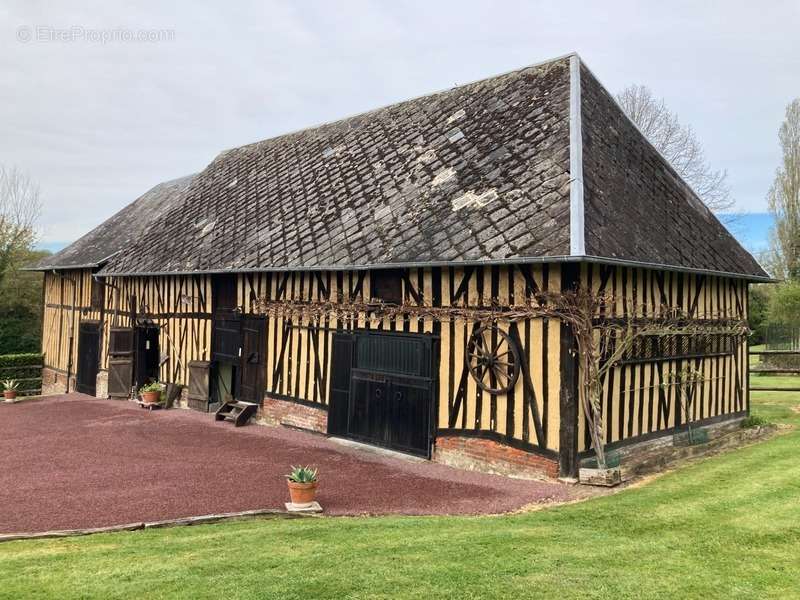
(463,263)
(61,267)
(540,63)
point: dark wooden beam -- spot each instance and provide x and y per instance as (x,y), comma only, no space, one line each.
(568,431)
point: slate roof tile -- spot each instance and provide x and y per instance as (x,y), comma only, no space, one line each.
(476,173)
(122,230)
(321,187)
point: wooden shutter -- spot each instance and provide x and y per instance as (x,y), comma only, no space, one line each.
(121,341)
(198,385)
(98,294)
(120,377)
(341,365)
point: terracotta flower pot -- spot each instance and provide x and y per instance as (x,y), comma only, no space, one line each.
(10,394)
(302,494)
(151,397)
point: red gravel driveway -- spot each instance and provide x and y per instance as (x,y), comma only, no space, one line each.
(70,462)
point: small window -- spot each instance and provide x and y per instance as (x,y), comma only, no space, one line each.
(98,294)
(387,286)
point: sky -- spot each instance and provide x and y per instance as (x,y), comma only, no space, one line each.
(97,117)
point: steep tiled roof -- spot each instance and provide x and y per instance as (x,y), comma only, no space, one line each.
(122,230)
(474,173)
(636,206)
(537,164)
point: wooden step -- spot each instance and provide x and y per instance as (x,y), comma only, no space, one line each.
(236,412)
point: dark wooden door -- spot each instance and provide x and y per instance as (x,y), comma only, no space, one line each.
(390,393)
(147,355)
(341,365)
(88,357)
(226,329)
(121,351)
(369,407)
(253,363)
(408,413)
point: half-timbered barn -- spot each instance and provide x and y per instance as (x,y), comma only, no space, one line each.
(75,332)
(482,196)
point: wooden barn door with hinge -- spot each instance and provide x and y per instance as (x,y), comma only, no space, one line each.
(382,390)
(121,347)
(252,366)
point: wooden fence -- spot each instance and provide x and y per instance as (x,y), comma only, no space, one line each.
(775,370)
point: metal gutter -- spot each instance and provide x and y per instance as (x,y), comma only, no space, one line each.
(577,230)
(465,263)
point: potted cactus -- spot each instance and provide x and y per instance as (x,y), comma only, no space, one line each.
(302,483)
(151,392)
(10,387)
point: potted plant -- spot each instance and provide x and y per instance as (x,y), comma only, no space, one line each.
(10,389)
(151,392)
(302,483)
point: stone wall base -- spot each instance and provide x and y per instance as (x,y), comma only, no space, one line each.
(275,411)
(183,400)
(658,454)
(101,384)
(489,456)
(55,382)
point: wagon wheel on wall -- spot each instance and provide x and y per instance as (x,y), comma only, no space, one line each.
(493,360)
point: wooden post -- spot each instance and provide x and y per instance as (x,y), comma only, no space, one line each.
(568,431)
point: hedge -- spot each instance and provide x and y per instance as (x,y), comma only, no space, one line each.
(21,360)
(25,368)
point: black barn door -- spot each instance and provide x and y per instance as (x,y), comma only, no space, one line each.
(253,365)
(342,363)
(88,357)
(226,329)
(389,395)
(147,355)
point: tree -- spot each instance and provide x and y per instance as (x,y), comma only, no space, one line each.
(784,200)
(21,306)
(19,210)
(784,305)
(757,314)
(678,144)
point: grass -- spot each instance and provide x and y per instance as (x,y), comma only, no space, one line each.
(725,527)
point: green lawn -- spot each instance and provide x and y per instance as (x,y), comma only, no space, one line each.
(725,527)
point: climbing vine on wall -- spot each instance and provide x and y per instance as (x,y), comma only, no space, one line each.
(600,342)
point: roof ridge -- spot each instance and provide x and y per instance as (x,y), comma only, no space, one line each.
(398,103)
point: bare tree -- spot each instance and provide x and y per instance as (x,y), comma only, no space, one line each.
(784,200)
(679,145)
(20,208)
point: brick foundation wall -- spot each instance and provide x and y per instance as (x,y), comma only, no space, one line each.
(293,414)
(478,454)
(54,382)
